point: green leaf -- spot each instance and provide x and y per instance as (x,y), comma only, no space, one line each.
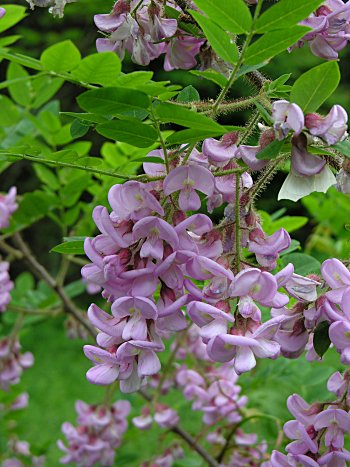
(192,136)
(188,94)
(286,13)
(47,176)
(71,247)
(211,75)
(45,87)
(172,113)
(231,15)
(303,264)
(14,14)
(22,91)
(314,87)
(61,57)
(87,117)
(32,207)
(134,133)
(21,59)
(78,129)
(116,101)
(272,44)
(100,68)
(289,223)
(271,151)
(343,147)
(9,114)
(219,40)
(321,338)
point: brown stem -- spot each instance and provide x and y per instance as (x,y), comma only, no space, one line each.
(40,271)
(187,437)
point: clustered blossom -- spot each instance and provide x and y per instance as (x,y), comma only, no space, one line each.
(21,455)
(8,206)
(98,434)
(6,285)
(330,25)
(317,433)
(56,7)
(12,362)
(217,396)
(146,34)
(140,253)
(167,458)
(164,416)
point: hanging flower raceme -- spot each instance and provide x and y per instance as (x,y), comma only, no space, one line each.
(98,434)
(8,206)
(317,433)
(6,285)
(12,362)
(143,30)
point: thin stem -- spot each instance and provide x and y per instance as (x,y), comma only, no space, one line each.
(162,142)
(236,68)
(34,312)
(40,271)
(238,224)
(186,437)
(249,128)
(43,161)
(265,177)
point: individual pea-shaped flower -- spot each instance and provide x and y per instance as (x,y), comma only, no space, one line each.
(107,367)
(132,200)
(331,128)
(156,231)
(244,348)
(138,310)
(337,277)
(304,439)
(287,117)
(267,248)
(261,286)
(181,51)
(210,319)
(339,334)
(187,179)
(336,422)
(220,152)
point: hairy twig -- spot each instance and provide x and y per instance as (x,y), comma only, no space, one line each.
(187,437)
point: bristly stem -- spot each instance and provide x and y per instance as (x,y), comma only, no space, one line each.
(239,63)
(238,223)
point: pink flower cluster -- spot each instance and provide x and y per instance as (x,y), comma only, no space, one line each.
(6,285)
(145,33)
(8,206)
(317,433)
(12,362)
(98,434)
(217,395)
(21,455)
(330,25)
(148,269)
(167,459)
(309,172)
(164,416)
